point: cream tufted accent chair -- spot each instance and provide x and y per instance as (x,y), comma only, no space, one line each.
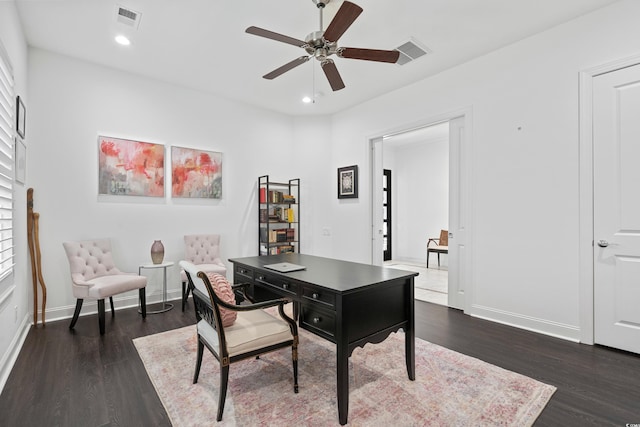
(95,276)
(202,250)
(254,331)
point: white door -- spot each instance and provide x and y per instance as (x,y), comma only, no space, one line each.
(616,208)
(458,212)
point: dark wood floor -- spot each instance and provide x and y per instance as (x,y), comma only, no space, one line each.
(79,378)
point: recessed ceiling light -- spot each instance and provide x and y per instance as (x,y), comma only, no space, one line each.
(306,100)
(122,40)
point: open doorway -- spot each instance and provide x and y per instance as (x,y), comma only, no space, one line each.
(416,205)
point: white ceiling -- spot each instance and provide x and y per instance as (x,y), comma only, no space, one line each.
(201,44)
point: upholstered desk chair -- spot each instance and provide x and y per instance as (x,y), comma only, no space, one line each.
(440,245)
(235,332)
(95,276)
(204,251)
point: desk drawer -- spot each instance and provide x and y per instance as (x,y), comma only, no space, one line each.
(242,274)
(321,322)
(284,286)
(319,296)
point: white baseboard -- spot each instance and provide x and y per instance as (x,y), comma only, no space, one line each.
(10,357)
(541,326)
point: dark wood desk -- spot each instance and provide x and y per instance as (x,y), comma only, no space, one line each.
(347,303)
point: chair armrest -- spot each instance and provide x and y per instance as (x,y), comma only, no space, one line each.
(244,307)
(436,240)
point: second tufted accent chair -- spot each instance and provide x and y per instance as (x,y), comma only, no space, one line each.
(94,275)
(202,250)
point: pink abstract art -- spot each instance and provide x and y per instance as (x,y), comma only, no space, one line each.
(196,173)
(130,168)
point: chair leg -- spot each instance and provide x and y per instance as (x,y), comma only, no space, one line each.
(76,313)
(143,302)
(101,315)
(438,259)
(198,360)
(113,313)
(185,294)
(427,258)
(224,380)
(294,357)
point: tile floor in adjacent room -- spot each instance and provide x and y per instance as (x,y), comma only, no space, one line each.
(431,285)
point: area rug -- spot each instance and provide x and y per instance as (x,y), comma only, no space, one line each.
(450,388)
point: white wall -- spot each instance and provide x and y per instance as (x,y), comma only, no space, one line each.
(74,101)
(14,291)
(525,192)
(420,197)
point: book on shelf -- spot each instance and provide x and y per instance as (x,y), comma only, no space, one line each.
(263,195)
(264,215)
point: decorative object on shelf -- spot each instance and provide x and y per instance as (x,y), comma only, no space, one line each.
(196,173)
(130,168)
(278,218)
(21,161)
(348,182)
(157,252)
(21,117)
(33,237)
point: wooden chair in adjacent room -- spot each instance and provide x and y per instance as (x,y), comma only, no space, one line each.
(202,250)
(95,276)
(236,332)
(439,245)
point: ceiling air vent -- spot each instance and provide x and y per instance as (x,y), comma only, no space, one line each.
(128,17)
(410,51)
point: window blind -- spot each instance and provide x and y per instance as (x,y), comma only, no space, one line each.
(7,132)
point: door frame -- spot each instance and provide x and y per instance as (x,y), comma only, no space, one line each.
(375,183)
(586,238)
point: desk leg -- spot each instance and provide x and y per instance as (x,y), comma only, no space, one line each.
(342,367)
(409,336)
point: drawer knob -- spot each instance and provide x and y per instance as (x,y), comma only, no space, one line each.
(316,320)
(285,286)
(260,277)
(315,295)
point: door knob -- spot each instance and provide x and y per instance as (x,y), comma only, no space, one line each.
(603,243)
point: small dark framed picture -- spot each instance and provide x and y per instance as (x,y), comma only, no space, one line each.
(348,182)
(21,117)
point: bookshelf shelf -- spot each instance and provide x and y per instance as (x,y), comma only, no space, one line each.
(278,216)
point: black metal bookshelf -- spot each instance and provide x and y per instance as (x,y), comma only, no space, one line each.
(278,216)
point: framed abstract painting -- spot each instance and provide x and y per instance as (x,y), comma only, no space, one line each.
(196,173)
(130,168)
(348,182)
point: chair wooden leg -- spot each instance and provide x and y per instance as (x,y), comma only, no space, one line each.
(185,294)
(113,313)
(438,259)
(143,302)
(198,360)
(101,315)
(294,357)
(76,313)
(427,258)
(224,380)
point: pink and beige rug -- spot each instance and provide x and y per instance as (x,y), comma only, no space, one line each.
(450,388)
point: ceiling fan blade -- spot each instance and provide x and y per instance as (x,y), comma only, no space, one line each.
(286,67)
(369,54)
(347,13)
(256,31)
(331,71)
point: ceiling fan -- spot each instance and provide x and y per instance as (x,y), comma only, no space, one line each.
(322,44)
